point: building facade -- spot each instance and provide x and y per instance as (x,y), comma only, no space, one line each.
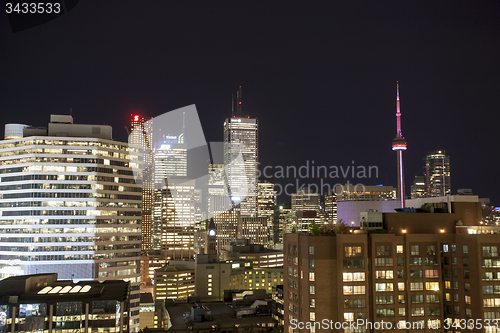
(142,136)
(416,277)
(169,171)
(266,200)
(175,281)
(70,205)
(241,162)
(41,303)
(437,174)
(418,188)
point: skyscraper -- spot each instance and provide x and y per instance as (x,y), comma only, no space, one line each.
(240,159)
(266,200)
(169,164)
(305,209)
(178,219)
(142,136)
(418,188)
(70,205)
(399,144)
(331,206)
(437,174)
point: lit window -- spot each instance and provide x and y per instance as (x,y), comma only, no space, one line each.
(353,251)
(75,289)
(434,286)
(55,290)
(85,289)
(44,290)
(348,316)
(65,290)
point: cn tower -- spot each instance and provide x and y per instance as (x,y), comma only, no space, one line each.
(399,145)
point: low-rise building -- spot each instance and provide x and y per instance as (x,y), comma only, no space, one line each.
(175,281)
(42,303)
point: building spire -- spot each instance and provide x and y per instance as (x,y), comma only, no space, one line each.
(232,106)
(399,145)
(239,103)
(399,133)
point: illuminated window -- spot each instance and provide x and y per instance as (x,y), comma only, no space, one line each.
(433,286)
(44,290)
(399,248)
(55,290)
(490,251)
(431,273)
(348,316)
(353,251)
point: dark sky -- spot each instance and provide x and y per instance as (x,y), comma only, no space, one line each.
(320,77)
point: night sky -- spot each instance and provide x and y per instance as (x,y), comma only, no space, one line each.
(320,77)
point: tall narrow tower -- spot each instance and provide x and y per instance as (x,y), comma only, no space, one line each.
(399,144)
(241,159)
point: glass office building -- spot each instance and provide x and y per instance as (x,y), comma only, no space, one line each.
(69,205)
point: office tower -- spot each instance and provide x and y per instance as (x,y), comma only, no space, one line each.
(266,200)
(217,198)
(70,205)
(331,207)
(255,229)
(178,219)
(228,225)
(170,159)
(418,188)
(399,144)
(437,174)
(142,136)
(225,217)
(169,164)
(240,159)
(304,200)
(278,305)
(305,210)
(424,270)
(282,215)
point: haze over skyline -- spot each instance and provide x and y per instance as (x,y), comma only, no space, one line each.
(320,78)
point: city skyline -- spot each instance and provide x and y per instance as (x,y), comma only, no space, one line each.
(319,77)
